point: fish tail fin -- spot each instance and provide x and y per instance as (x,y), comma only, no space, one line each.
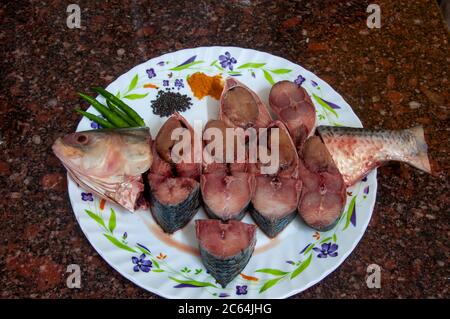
(420,158)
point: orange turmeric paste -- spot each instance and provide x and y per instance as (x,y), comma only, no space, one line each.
(203,85)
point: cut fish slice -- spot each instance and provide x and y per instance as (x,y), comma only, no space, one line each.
(174,186)
(241,107)
(226,196)
(174,201)
(225,248)
(276,196)
(323,193)
(226,187)
(275,202)
(293,106)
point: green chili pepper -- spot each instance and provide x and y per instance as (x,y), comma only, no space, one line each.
(104,123)
(103,110)
(119,103)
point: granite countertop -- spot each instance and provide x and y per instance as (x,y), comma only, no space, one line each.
(394,77)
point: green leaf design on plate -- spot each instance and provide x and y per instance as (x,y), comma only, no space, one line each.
(198,271)
(251,65)
(274,272)
(349,212)
(308,249)
(186,66)
(302,267)
(324,104)
(326,239)
(133,83)
(334,237)
(112,221)
(234,72)
(213,62)
(144,251)
(270,283)
(97,218)
(268,77)
(135,96)
(158,270)
(119,244)
(118,94)
(155,263)
(193,282)
(280,71)
(218,67)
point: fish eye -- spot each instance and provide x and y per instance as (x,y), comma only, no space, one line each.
(82,139)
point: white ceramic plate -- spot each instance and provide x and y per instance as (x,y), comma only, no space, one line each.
(295,260)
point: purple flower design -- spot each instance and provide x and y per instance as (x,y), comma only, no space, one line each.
(290,262)
(165,82)
(241,290)
(95,125)
(141,263)
(161,63)
(299,80)
(179,83)
(366,190)
(327,249)
(151,73)
(223,295)
(227,61)
(314,83)
(353,216)
(87,197)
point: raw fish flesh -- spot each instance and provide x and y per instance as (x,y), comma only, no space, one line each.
(292,105)
(226,187)
(241,107)
(276,196)
(174,186)
(323,193)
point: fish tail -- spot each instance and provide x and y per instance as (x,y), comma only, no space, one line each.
(420,158)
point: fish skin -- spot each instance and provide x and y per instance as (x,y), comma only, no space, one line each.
(293,106)
(263,117)
(323,194)
(356,151)
(109,163)
(172,217)
(272,227)
(223,261)
(274,203)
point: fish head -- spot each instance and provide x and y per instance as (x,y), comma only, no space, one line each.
(83,151)
(109,162)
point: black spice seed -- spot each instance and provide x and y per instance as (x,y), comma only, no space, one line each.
(167,103)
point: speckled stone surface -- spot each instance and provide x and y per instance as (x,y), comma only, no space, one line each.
(393,77)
